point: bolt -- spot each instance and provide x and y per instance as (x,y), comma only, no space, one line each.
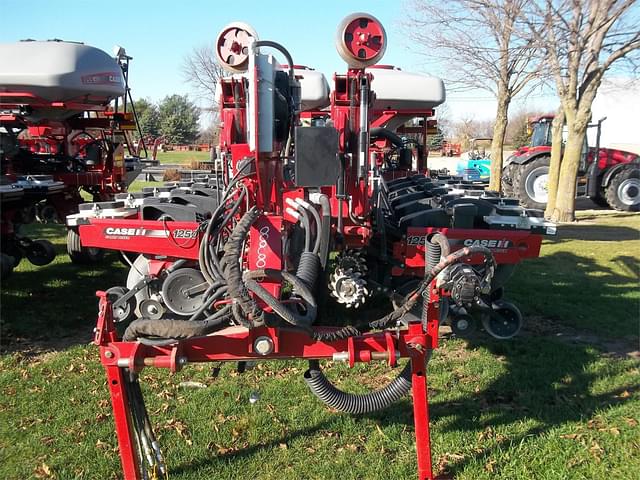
(108,354)
(263,345)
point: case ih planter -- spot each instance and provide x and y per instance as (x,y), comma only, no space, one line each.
(231,266)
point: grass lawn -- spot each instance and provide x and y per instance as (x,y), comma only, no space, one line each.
(182,157)
(539,406)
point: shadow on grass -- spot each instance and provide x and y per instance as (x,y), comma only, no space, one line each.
(601,233)
(544,382)
(54,306)
(581,291)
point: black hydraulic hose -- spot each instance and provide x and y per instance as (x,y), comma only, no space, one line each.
(304,218)
(381,132)
(299,288)
(281,49)
(356,404)
(325,233)
(209,299)
(316,216)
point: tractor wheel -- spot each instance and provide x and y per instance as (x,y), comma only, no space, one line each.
(600,200)
(41,252)
(623,192)
(508,178)
(79,254)
(531,184)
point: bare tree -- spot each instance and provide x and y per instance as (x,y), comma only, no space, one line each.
(202,70)
(468,128)
(555,161)
(581,39)
(476,45)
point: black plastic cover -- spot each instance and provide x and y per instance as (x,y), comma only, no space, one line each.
(317,163)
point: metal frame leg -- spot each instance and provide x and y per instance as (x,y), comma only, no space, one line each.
(421,416)
(122,419)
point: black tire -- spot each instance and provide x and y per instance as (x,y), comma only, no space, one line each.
(41,252)
(79,254)
(600,200)
(623,192)
(526,183)
(507,179)
(6,265)
(10,247)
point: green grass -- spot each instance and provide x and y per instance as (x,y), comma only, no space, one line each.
(588,276)
(182,157)
(534,407)
(138,185)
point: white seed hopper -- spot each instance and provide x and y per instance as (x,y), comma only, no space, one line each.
(57,79)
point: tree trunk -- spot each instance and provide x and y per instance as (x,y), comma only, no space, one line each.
(497,143)
(556,161)
(566,195)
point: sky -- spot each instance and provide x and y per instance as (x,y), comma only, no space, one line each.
(159,34)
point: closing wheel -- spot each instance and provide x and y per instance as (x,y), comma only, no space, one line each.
(122,310)
(623,192)
(361,40)
(40,252)
(79,254)
(47,214)
(463,325)
(531,185)
(504,321)
(151,309)
(232,46)
(183,289)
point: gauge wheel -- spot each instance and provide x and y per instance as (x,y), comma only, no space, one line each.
(40,252)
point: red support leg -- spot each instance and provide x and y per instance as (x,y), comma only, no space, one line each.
(421,415)
(122,418)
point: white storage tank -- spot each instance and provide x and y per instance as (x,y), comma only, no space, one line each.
(58,72)
(396,89)
(314,88)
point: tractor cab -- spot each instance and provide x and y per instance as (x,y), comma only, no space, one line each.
(540,131)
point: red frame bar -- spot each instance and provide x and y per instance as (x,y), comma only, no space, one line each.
(236,343)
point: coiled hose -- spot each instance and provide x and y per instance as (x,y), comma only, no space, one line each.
(249,311)
(308,268)
(356,403)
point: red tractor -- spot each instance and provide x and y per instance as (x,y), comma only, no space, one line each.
(62,134)
(323,206)
(613,181)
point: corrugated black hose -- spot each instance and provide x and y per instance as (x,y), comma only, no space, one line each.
(357,403)
(381,398)
(249,311)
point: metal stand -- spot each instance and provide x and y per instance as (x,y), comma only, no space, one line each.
(124,360)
